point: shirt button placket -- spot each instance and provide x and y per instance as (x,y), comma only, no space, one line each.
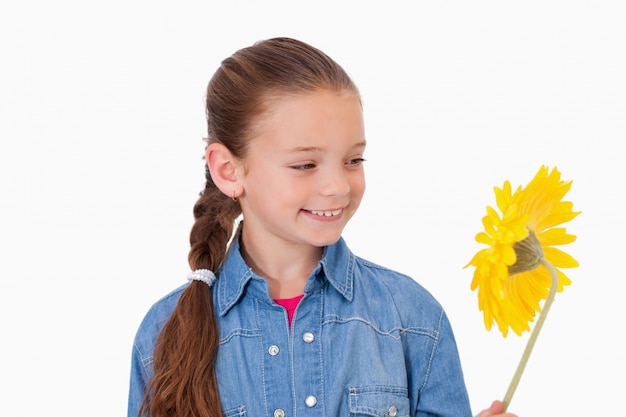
(273,350)
(311,400)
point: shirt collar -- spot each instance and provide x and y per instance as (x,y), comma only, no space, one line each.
(337,267)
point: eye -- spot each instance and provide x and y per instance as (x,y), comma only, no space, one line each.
(356,161)
(304,166)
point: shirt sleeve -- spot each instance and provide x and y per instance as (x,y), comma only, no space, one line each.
(138,382)
(443,392)
(141,370)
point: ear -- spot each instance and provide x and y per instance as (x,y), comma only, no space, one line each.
(224,169)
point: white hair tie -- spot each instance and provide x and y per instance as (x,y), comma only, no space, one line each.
(205,275)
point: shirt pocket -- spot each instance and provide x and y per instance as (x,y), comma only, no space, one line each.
(235,412)
(378,401)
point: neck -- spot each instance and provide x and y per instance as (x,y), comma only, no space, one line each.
(286,268)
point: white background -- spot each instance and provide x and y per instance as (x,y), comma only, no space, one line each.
(101,126)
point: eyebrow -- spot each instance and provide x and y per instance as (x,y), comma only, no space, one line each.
(317,148)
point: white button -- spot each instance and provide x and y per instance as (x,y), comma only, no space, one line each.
(308,337)
(279,412)
(310,401)
(393,411)
(273,350)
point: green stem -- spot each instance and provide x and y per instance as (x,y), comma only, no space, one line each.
(535,333)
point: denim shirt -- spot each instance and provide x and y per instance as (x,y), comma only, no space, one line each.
(364,340)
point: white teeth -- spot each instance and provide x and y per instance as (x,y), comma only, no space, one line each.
(326,213)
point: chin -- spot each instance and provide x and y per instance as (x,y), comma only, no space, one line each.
(327,240)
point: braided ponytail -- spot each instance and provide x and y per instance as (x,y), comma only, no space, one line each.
(215,215)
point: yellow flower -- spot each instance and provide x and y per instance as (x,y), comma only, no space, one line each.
(510,284)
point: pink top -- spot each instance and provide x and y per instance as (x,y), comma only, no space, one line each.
(290,305)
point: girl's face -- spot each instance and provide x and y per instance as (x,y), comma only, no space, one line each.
(303,178)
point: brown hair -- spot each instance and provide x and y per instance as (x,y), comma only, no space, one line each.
(184,382)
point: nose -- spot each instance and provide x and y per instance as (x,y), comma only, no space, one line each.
(335,183)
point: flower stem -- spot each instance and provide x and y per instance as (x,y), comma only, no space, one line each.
(535,333)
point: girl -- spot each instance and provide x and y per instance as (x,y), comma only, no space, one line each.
(279,318)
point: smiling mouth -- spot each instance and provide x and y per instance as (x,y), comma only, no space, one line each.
(326,213)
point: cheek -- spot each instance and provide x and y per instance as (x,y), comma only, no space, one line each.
(358,185)
(357,189)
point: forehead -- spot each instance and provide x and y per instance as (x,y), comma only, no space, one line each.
(310,116)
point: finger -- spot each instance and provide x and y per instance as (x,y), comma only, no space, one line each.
(496,408)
